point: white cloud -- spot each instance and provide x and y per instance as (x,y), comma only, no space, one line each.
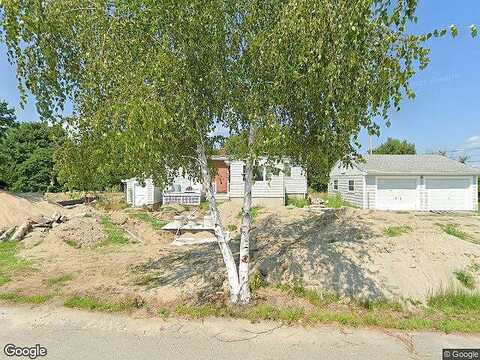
(473,142)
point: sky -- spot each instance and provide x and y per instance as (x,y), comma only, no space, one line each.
(445,115)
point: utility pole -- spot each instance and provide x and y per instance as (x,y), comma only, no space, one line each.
(370,142)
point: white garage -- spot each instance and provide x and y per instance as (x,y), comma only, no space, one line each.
(449,193)
(407,182)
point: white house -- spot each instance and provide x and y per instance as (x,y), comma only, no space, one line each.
(407,182)
(271,187)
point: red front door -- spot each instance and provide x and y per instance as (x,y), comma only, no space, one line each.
(221,178)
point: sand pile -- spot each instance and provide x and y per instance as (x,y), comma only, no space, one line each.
(16,209)
(80,232)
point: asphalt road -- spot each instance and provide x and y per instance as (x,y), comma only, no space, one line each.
(70,334)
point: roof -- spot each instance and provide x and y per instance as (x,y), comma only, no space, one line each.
(414,164)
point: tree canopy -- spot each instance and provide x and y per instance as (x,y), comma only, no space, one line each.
(395,147)
(26,157)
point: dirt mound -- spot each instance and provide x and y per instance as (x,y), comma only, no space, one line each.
(80,232)
(17,208)
(346,251)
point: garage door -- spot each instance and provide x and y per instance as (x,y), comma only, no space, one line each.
(397,194)
(449,194)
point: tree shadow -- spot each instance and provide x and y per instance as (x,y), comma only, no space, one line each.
(310,251)
(307,250)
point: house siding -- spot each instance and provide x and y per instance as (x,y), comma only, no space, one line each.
(296,184)
(355,197)
(275,188)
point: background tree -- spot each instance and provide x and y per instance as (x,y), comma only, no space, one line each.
(153,82)
(395,147)
(7,117)
(26,157)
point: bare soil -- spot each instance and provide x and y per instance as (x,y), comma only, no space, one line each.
(343,251)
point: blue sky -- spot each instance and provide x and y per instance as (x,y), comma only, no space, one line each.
(446,111)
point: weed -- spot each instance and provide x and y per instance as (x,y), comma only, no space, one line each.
(257,281)
(115,236)
(254,211)
(297,202)
(198,312)
(205,206)
(156,223)
(71,243)
(24,299)
(92,304)
(311,296)
(231,227)
(452,229)
(163,312)
(393,231)
(465,278)
(380,304)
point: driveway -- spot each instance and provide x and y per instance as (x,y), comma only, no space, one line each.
(70,334)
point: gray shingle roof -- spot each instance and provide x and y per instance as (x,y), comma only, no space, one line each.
(414,164)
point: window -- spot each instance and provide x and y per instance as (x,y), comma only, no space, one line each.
(258,173)
(351,185)
(335,184)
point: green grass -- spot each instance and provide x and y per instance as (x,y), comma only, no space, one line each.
(447,311)
(92,304)
(297,202)
(60,280)
(335,201)
(115,236)
(455,301)
(393,231)
(9,262)
(254,211)
(453,230)
(311,296)
(156,223)
(466,279)
(24,299)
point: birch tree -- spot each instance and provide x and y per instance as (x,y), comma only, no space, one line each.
(152,82)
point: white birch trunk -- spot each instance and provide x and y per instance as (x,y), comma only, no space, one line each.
(232,273)
(244,263)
